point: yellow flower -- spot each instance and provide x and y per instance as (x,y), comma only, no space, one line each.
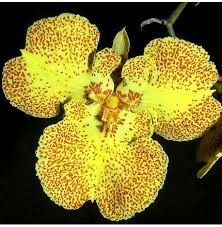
(102,150)
(210,148)
(99,151)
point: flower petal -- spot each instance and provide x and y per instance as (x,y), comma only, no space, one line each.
(135,75)
(132,178)
(172,81)
(102,86)
(65,38)
(56,65)
(130,126)
(190,124)
(61,167)
(181,65)
(67,153)
(78,163)
(38,102)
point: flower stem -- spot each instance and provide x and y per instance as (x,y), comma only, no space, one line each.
(173,18)
(168,23)
(176,13)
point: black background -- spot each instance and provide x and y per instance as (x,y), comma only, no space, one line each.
(183,199)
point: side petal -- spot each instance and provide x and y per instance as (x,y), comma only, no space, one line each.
(172,81)
(32,100)
(132,178)
(181,65)
(56,66)
(101,85)
(186,74)
(53,66)
(189,124)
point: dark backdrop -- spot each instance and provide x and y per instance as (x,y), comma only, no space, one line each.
(183,199)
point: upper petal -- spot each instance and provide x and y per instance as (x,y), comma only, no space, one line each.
(172,81)
(181,65)
(56,65)
(67,37)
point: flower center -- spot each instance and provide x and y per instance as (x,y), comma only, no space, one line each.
(111,110)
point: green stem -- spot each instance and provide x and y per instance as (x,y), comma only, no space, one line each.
(176,13)
(170,29)
(173,18)
(168,23)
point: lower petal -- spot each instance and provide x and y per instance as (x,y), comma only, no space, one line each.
(66,156)
(76,163)
(132,179)
(61,167)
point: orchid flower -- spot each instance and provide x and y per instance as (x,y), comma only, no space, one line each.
(102,150)
(210,148)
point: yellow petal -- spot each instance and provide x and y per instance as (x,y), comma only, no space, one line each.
(66,38)
(67,165)
(56,65)
(133,175)
(76,163)
(101,85)
(34,101)
(61,167)
(191,123)
(181,65)
(172,81)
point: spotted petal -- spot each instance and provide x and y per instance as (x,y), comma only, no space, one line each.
(56,65)
(76,163)
(132,177)
(172,81)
